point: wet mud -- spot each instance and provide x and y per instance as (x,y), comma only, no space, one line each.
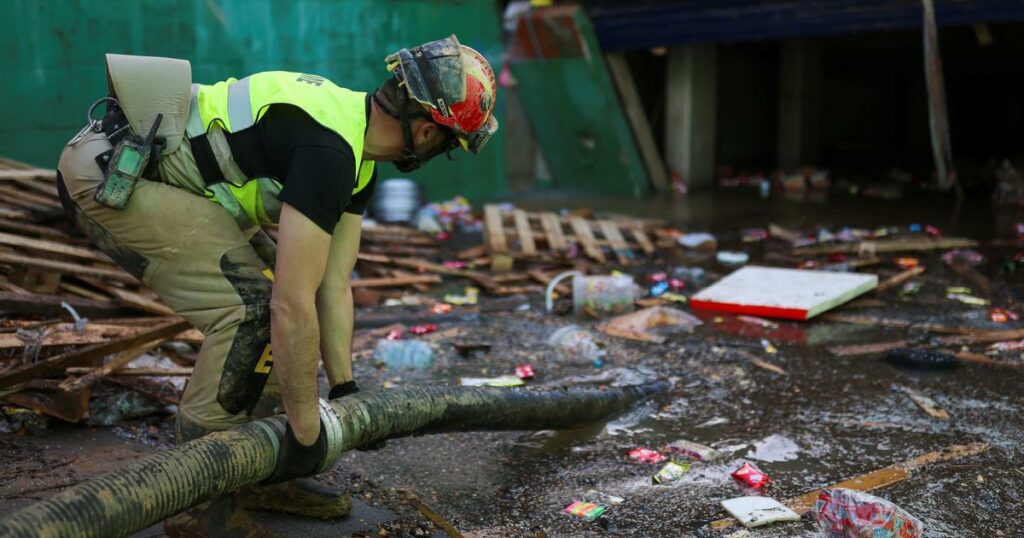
(826,419)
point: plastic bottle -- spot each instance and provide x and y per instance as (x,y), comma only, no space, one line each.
(404,354)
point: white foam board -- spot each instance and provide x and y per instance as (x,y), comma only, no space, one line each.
(757,511)
(782,293)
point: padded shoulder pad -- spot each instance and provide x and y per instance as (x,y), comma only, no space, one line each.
(148,85)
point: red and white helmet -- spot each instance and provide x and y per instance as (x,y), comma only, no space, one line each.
(455,83)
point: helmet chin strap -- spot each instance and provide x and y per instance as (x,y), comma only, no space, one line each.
(410,160)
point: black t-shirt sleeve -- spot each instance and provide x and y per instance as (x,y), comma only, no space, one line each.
(319,183)
(357,205)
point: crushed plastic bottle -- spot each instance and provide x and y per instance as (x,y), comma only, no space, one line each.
(404,354)
(576,344)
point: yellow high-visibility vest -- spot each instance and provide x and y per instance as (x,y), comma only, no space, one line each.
(233,105)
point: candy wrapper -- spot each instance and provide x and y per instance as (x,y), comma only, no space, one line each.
(751,477)
(441,308)
(907,263)
(671,472)
(585,510)
(1002,315)
(394,334)
(847,513)
(646,455)
(524,371)
(693,451)
(419,330)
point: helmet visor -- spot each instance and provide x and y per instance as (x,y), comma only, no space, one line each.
(472,142)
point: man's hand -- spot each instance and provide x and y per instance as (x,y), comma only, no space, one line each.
(302,249)
(295,460)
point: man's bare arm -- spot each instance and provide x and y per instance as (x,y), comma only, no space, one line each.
(302,251)
(334,300)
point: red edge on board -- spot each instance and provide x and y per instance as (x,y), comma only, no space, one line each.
(753,310)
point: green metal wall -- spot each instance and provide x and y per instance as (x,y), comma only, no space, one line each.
(51,58)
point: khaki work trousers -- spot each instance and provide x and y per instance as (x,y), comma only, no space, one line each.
(192,253)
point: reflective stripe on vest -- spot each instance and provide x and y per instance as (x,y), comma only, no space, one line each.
(233,105)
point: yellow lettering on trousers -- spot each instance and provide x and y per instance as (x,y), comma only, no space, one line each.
(269,274)
(266,361)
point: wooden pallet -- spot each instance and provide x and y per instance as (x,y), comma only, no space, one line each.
(524,235)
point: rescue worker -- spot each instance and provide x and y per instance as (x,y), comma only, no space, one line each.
(228,158)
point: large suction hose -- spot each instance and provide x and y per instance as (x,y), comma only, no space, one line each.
(148,491)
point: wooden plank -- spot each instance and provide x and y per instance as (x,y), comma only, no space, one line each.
(526,243)
(553,231)
(50,305)
(390,282)
(641,238)
(56,365)
(614,236)
(45,202)
(54,247)
(31,173)
(494,229)
(28,228)
(900,278)
(586,238)
(890,245)
(926,404)
(422,288)
(83,292)
(66,267)
(637,116)
(116,362)
(135,372)
(985,337)
(13,213)
(64,334)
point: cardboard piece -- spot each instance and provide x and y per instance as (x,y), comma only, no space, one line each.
(782,293)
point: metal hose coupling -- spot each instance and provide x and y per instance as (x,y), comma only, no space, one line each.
(332,432)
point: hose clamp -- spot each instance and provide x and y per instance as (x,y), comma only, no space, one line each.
(332,431)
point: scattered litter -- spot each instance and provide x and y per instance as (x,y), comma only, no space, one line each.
(659,289)
(732,257)
(1011,345)
(760,322)
(600,497)
(524,371)
(768,347)
(693,275)
(907,262)
(971,258)
(922,359)
(968,299)
(13,419)
(774,448)
(1002,315)
(750,476)
(671,472)
(500,381)
(652,324)
(754,235)
(698,241)
(646,455)
(782,293)
(848,513)
(394,334)
(469,296)
(758,511)
(587,511)
(927,404)
(713,422)
(674,297)
(603,295)
(693,451)
(576,344)
(441,308)
(117,406)
(420,330)
(910,288)
(404,354)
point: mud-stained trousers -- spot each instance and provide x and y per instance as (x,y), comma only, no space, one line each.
(193,254)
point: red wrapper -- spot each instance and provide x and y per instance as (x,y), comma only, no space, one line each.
(836,258)
(443,236)
(441,308)
(646,455)
(524,371)
(932,230)
(751,477)
(657,277)
(456,264)
(394,334)
(907,262)
(676,284)
(1002,315)
(423,329)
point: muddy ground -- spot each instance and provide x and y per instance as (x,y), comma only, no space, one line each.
(827,418)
